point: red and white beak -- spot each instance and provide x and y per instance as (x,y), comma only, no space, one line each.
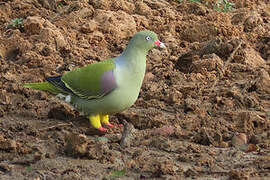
(159,44)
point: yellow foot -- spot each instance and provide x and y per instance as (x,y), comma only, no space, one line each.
(105,120)
(95,122)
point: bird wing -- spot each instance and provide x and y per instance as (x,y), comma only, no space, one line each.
(92,81)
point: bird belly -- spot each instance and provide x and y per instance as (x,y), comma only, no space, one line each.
(116,101)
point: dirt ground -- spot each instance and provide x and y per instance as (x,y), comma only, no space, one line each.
(203,110)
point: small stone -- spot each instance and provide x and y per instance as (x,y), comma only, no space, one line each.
(8,145)
(33,25)
(149,77)
(255,139)
(38,156)
(130,164)
(239,141)
(60,112)
(191,172)
(251,22)
(223,144)
(85,12)
(5,167)
(76,144)
(4,98)
(239,175)
(49,155)
(89,27)
(251,148)
(142,8)
(175,97)
(165,131)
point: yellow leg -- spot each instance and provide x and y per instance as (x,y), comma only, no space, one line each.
(105,120)
(95,122)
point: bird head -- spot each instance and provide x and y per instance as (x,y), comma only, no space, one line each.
(146,40)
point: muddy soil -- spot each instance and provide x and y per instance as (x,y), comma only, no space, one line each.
(203,110)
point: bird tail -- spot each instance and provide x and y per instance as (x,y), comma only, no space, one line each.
(43,86)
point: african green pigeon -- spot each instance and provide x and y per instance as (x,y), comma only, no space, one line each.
(106,87)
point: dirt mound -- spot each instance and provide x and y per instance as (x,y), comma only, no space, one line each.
(203,111)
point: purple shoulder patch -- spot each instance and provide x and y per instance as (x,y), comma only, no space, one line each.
(108,82)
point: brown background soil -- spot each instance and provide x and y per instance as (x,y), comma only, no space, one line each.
(203,111)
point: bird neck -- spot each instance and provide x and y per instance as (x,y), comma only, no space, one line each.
(132,53)
(133,59)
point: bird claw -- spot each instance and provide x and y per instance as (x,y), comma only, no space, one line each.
(110,125)
(102,129)
(113,125)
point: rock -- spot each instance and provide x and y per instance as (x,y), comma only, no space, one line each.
(85,12)
(263,82)
(191,104)
(101,4)
(251,22)
(52,36)
(191,172)
(127,135)
(207,136)
(157,55)
(43,49)
(251,148)
(175,97)
(2,112)
(223,144)
(164,131)
(60,41)
(119,25)
(5,167)
(238,18)
(239,141)
(199,32)
(197,9)
(115,5)
(60,112)
(255,139)
(141,21)
(4,97)
(76,144)
(89,27)
(49,4)
(127,6)
(7,144)
(239,175)
(142,8)
(149,77)
(249,57)
(209,62)
(166,167)
(33,25)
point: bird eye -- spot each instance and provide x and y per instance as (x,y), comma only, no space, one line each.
(148,38)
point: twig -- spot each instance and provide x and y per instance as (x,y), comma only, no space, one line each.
(260,117)
(57,125)
(127,135)
(221,72)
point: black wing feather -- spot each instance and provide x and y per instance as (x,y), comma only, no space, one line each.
(57,82)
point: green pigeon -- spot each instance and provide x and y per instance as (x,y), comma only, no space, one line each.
(107,87)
